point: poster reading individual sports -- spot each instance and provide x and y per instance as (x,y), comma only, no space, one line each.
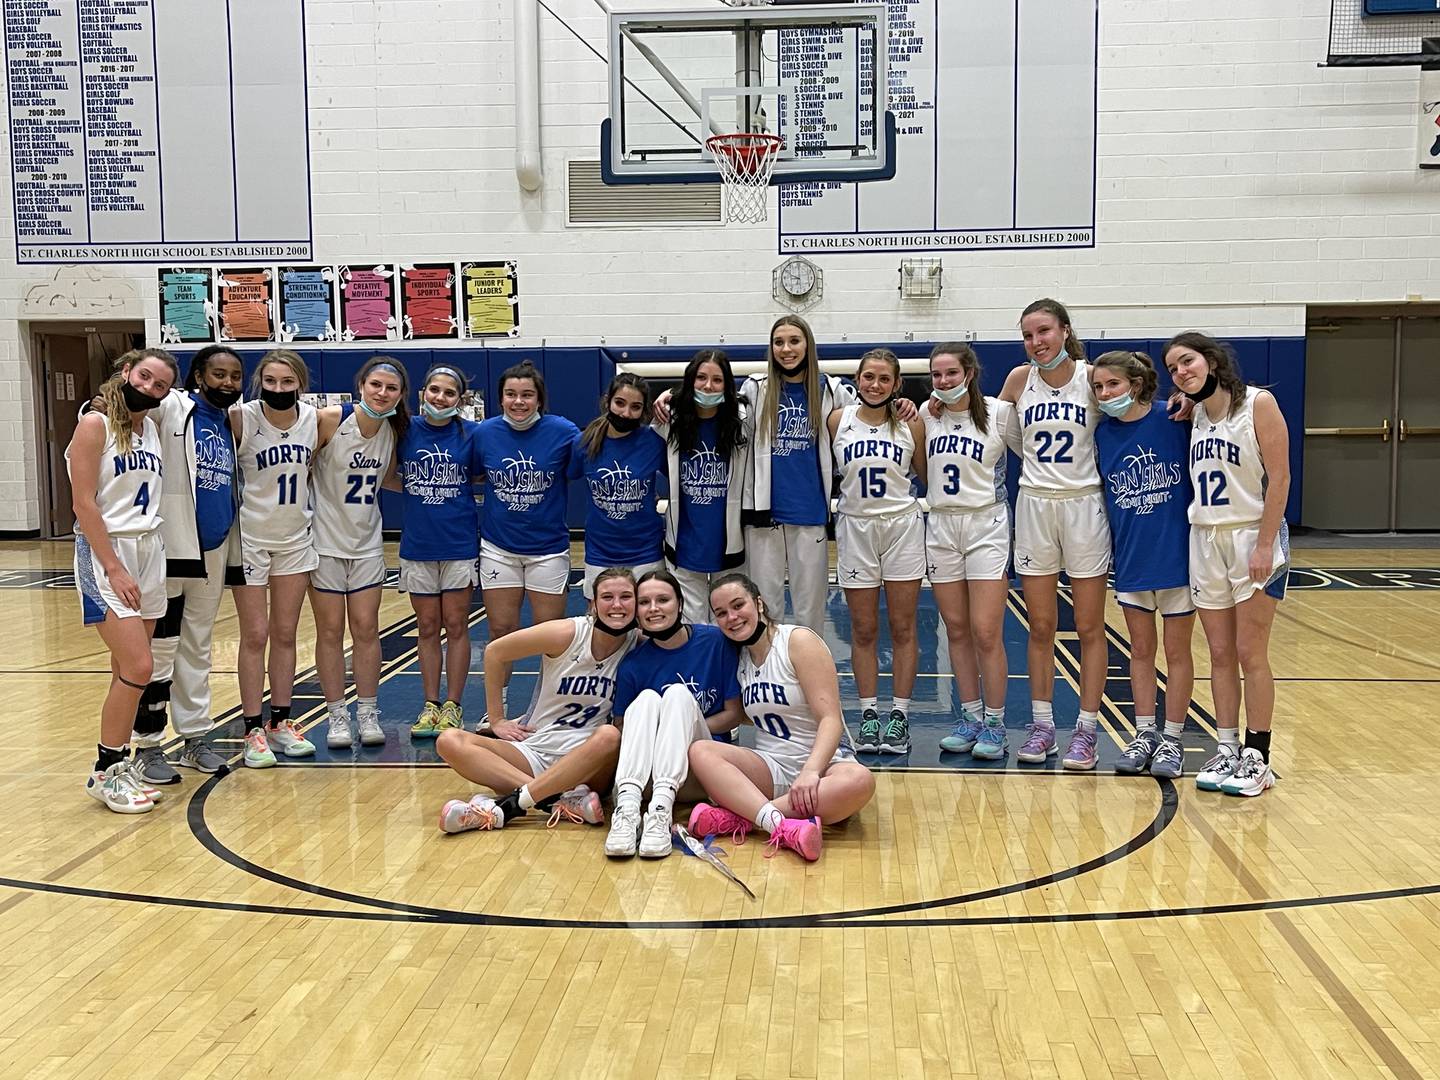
(490,291)
(367,303)
(187,312)
(427,301)
(307,304)
(246,303)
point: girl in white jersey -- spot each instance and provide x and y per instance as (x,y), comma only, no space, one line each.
(1060,523)
(116,472)
(357,452)
(967,541)
(802,771)
(880,540)
(565,739)
(276,437)
(1239,549)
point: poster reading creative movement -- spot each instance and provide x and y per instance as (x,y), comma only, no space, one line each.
(186,313)
(427,301)
(367,303)
(307,303)
(491,295)
(246,305)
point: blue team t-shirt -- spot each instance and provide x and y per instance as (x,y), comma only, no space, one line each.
(708,664)
(798,494)
(704,492)
(214,473)
(527,477)
(436,465)
(622,527)
(1146,479)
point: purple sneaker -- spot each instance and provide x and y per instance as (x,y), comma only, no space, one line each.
(1084,745)
(1038,745)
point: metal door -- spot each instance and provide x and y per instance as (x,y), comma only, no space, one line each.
(1417,443)
(65,363)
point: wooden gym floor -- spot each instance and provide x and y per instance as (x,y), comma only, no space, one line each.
(310,920)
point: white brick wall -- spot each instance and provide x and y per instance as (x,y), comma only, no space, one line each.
(1237,183)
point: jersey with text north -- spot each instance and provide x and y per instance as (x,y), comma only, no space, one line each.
(127,487)
(575,690)
(1225,466)
(775,702)
(873,461)
(965,467)
(1057,430)
(275,505)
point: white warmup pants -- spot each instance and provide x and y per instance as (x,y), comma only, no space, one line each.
(655,741)
(804,549)
(695,592)
(183,658)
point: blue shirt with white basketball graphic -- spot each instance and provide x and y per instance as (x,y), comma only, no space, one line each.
(622,527)
(214,474)
(526,484)
(798,494)
(436,466)
(1147,493)
(704,490)
(707,665)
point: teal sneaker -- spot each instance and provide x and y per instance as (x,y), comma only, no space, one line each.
(963,738)
(991,744)
(895,739)
(869,739)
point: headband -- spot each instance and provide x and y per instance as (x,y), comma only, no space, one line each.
(391,368)
(442,370)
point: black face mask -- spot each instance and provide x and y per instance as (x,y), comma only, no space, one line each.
(137,400)
(605,628)
(280,400)
(760,628)
(221,399)
(877,404)
(624,424)
(1206,391)
(666,634)
(798,369)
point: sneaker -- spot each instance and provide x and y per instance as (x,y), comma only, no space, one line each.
(580,805)
(337,735)
(113,789)
(1218,769)
(287,737)
(1136,758)
(480,812)
(258,754)
(1039,744)
(197,754)
(655,836)
(138,781)
(624,832)
(991,744)
(801,835)
(1169,760)
(1083,749)
(895,739)
(707,820)
(367,718)
(1251,777)
(424,727)
(153,768)
(451,716)
(964,737)
(869,740)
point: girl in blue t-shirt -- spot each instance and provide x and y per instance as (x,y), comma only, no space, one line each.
(436,462)
(619,459)
(1143,458)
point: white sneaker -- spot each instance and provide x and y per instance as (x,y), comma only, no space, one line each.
(113,789)
(480,812)
(624,832)
(286,738)
(337,737)
(655,836)
(1218,769)
(368,719)
(139,783)
(579,804)
(1252,775)
(258,754)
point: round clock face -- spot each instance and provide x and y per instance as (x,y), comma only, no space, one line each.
(798,277)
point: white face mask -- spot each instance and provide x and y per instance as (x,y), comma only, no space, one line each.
(523,425)
(951,396)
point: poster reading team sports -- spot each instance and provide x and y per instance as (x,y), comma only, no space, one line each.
(307,303)
(367,303)
(490,293)
(428,301)
(246,303)
(187,312)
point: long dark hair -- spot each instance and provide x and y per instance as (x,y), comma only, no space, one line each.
(669,579)
(200,362)
(769,419)
(1054,307)
(400,422)
(593,437)
(685,414)
(1221,360)
(970,365)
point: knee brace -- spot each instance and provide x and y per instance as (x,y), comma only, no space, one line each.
(168,625)
(150,715)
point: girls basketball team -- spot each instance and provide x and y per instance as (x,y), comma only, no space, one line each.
(178,493)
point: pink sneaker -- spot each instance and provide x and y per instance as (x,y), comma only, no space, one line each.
(707,820)
(480,812)
(801,835)
(580,805)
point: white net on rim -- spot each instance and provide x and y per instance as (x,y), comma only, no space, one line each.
(746,161)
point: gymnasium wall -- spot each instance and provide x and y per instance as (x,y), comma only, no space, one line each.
(1237,183)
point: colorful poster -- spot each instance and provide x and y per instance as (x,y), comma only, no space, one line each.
(367,304)
(247,303)
(427,301)
(492,301)
(307,304)
(186,310)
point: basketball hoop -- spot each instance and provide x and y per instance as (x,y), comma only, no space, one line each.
(746,161)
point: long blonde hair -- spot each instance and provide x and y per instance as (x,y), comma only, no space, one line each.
(769,419)
(112,395)
(291,359)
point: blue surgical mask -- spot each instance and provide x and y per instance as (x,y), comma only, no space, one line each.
(1053,364)
(951,396)
(709,401)
(432,413)
(368,411)
(1118,406)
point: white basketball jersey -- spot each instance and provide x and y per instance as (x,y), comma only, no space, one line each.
(966,468)
(348,472)
(1057,431)
(1225,468)
(275,465)
(874,465)
(772,698)
(575,690)
(127,490)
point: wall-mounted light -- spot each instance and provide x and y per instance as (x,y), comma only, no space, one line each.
(921,279)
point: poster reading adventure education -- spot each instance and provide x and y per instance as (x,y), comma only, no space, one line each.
(427,301)
(246,305)
(491,296)
(367,303)
(186,312)
(307,303)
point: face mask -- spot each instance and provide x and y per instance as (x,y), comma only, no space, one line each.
(432,413)
(526,424)
(1053,364)
(280,400)
(624,424)
(368,411)
(221,399)
(798,369)
(1208,390)
(606,628)
(1118,406)
(759,632)
(951,396)
(666,634)
(877,404)
(709,401)
(136,400)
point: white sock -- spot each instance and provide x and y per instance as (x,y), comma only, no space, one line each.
(1145,723)
(768,817)
(1174,731)
(627,797)
(367,702)
(662,800)
(1087,721)
(1229,736)
(1042,714)
(994,717)
(869,703)
(527,802)
(973,710)
(901,704)
(337,707)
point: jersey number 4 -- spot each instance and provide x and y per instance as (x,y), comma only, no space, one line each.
(1061,442)
(362,488)
(142,498)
